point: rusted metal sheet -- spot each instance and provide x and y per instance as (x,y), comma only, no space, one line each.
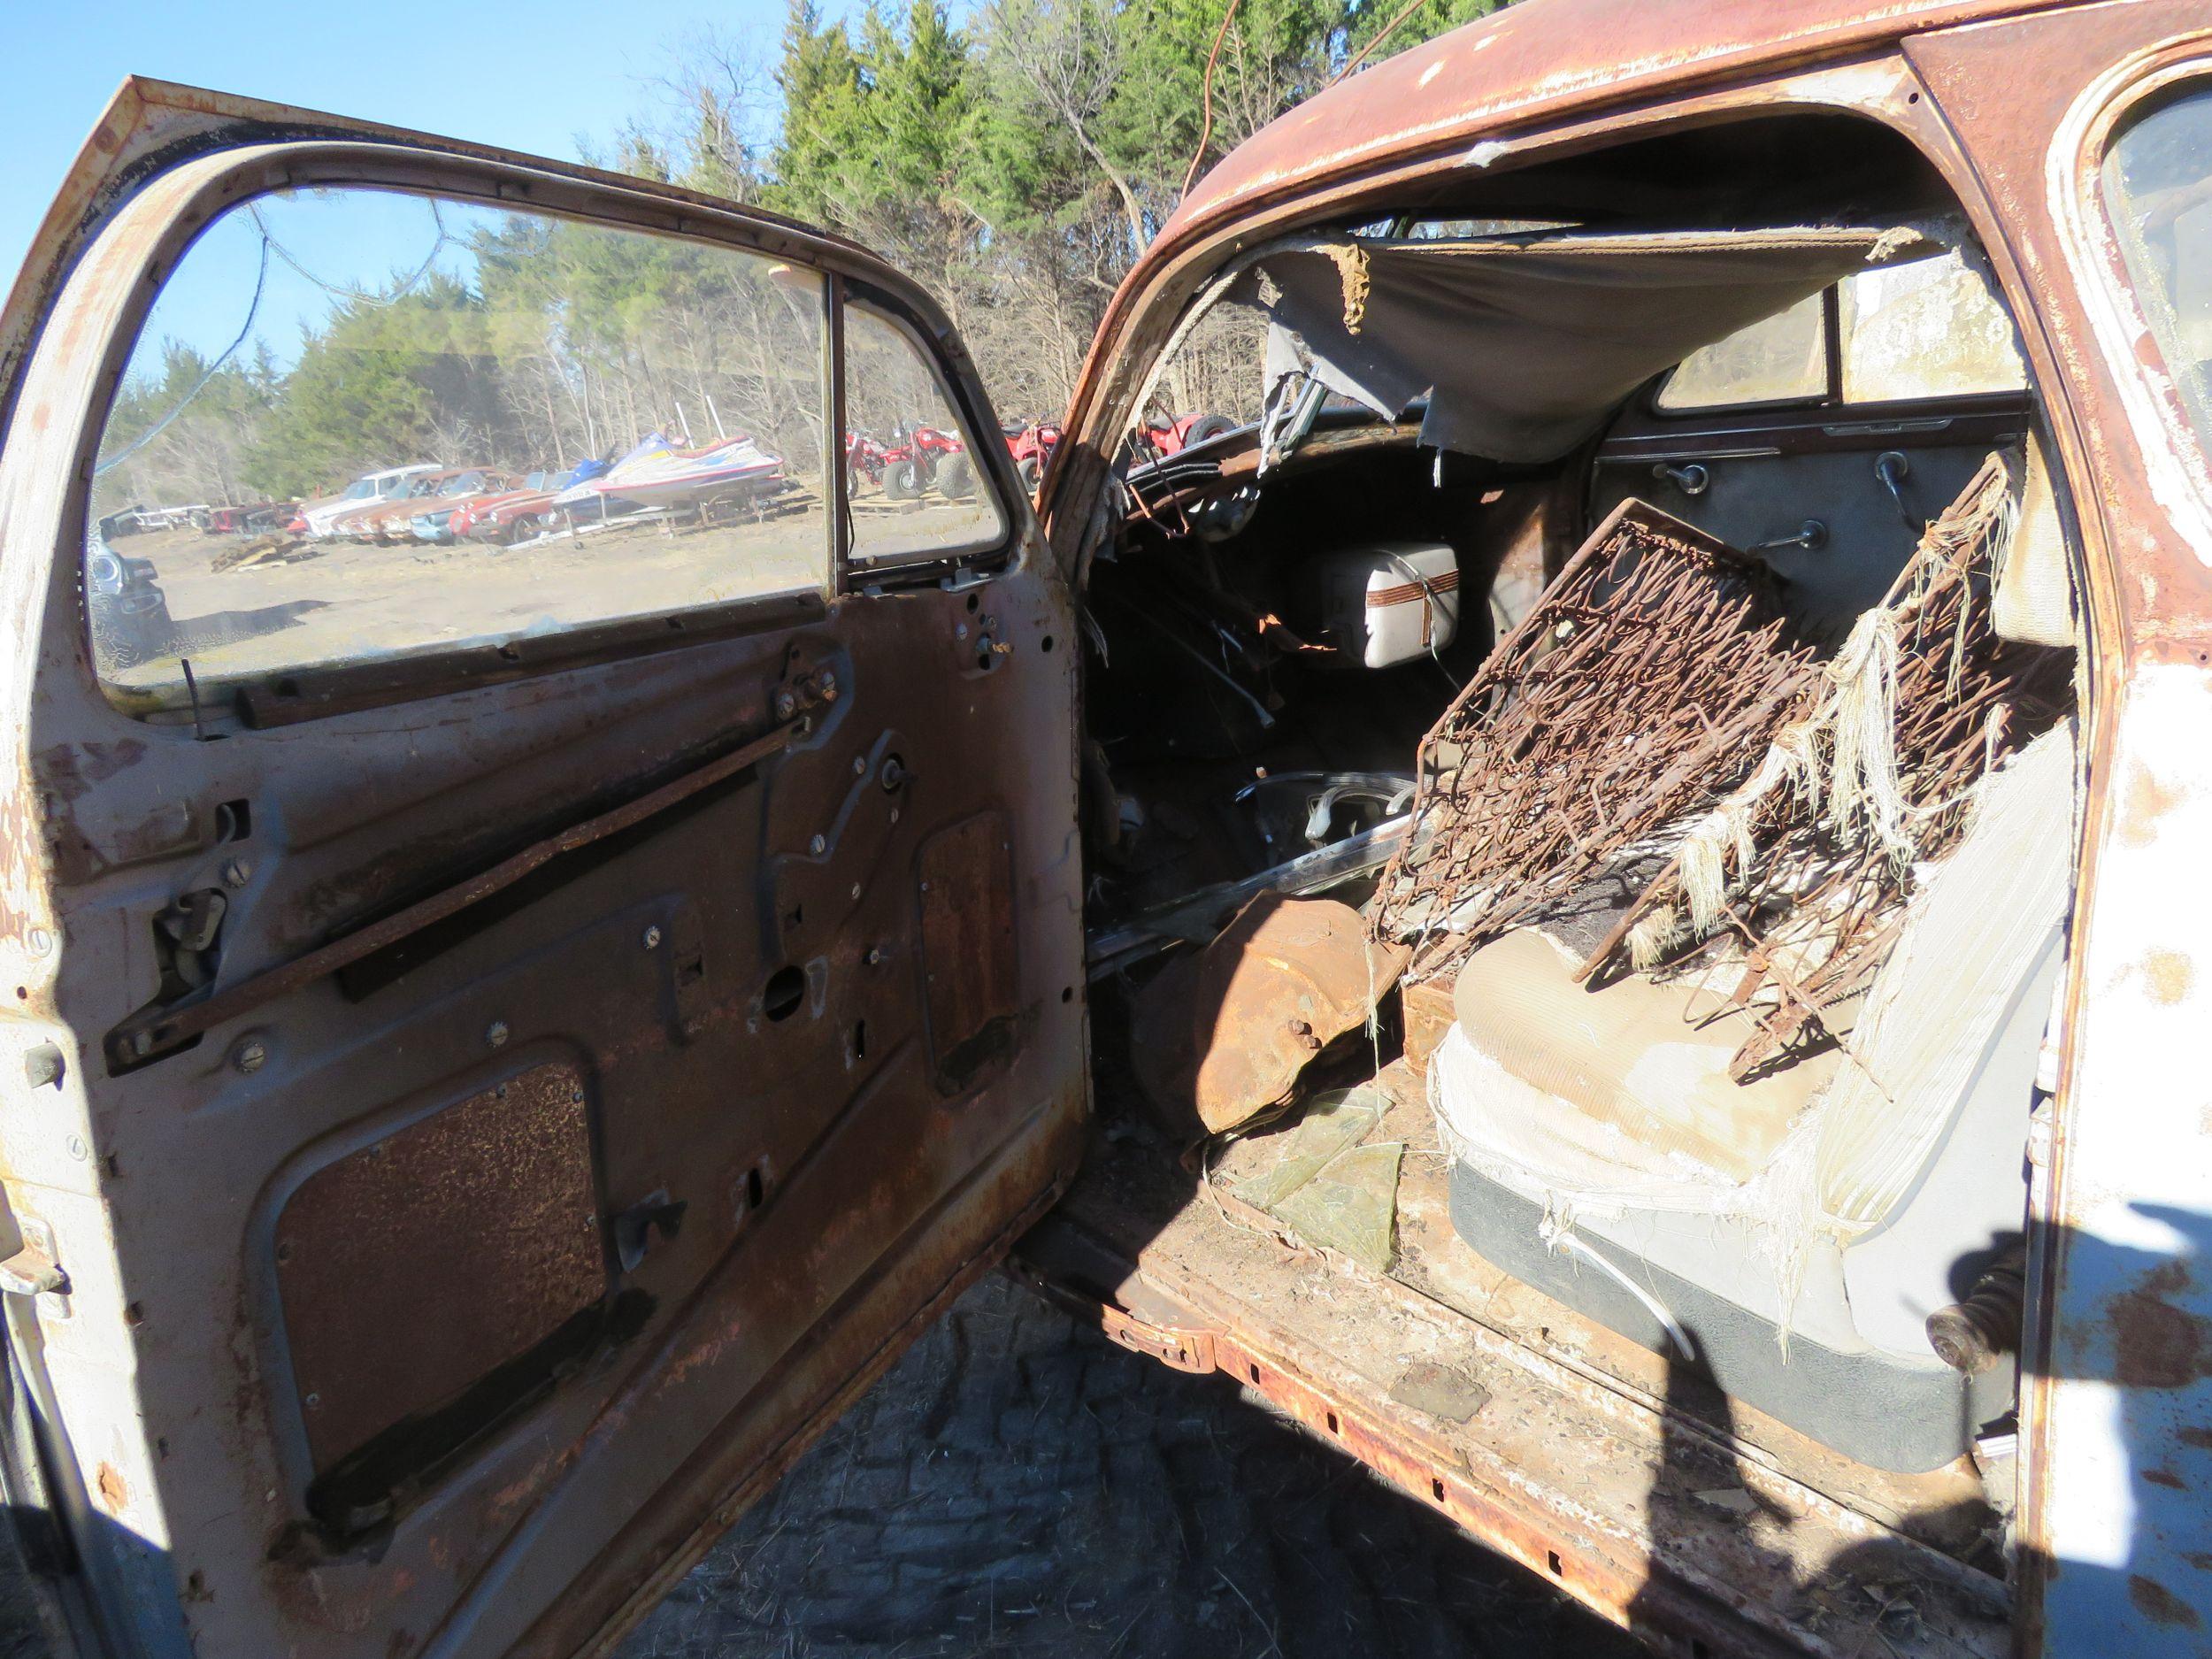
(964,880)
(1608,1498)
(1222,1034)
(136,1038)
(832,1198)
(423,1262)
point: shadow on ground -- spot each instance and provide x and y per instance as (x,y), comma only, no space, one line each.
(1017,1485)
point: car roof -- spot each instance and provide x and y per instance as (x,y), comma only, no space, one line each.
(1545,58)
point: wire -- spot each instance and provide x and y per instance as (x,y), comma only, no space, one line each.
(1381,36)
(445,241)
(260,280)
(269,245)
(1206,98)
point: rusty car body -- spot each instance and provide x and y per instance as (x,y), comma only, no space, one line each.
(472,1115)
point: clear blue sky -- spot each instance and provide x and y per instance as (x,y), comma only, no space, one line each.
(533,75)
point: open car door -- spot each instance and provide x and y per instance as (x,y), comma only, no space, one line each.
(507,1031)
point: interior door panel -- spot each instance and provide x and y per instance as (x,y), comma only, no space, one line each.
(444,1299)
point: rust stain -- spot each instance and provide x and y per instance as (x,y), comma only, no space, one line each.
(113,1493)
(2201,1559)
(2167,976)
(2165,1478)
(2157,1345)
(2201,1438)
(2146,802)
(2155,1601)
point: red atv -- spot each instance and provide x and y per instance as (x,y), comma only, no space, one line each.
(1164,439)
(865,458)
(1031,444)
(923,457)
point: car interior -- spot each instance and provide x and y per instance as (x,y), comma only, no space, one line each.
(1616,689)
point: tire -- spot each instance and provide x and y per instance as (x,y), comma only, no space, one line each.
(1207,426)
(956,482)
(904,480)
(1033,472)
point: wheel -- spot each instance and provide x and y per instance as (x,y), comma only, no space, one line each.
(1207,426)
(1033,472)
(904,480)
(956,482)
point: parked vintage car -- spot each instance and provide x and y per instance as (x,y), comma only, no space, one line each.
(433,521)
(516,514)
(315,518)
(1604,907)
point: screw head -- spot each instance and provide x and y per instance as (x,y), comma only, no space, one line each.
(960,632)
(237,872)
(860,765)
(250,1055)
(496,1034)
(652,939)
(41,942)
(787,705)
(78,1149)
(817,846)
(314,1402)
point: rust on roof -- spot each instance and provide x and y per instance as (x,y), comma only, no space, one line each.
(1544,58)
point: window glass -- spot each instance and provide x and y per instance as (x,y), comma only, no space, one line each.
(2158,186)
(1929,329)
(910,461)
(1783,357)
(321,450)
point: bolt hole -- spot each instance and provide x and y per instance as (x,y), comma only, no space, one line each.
(1436,1490)
(1067,994)
(1551,1556)
(22,993)
(195,1583)
(1046,643)
(974,602)
(1333,1429)
(860,1040)
(756,1189)
(135,1314)
(986,661)
(1699,1650)
(784,991)
(1912,97)
(1255,1370)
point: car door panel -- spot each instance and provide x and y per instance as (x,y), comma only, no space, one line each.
(576,1135)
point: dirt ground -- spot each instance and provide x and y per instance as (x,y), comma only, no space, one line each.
(1019,1486)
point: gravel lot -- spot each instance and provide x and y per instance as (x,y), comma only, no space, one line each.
(1020,1485)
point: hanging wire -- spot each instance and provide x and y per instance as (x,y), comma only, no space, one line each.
(445,240)
(271,245)
(260,281)
(1381,36)
(1206,98)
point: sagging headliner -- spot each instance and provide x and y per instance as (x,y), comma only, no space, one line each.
(1541,58)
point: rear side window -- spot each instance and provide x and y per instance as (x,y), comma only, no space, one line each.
(2157,184)
(1912,333)
(322,447)
(1783,358)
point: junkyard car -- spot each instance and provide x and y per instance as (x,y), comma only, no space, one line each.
(316,517)
(1603,901)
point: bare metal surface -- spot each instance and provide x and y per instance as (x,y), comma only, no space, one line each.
(1223,1034)
(1644,1503)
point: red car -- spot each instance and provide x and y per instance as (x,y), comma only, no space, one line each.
(512,515)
